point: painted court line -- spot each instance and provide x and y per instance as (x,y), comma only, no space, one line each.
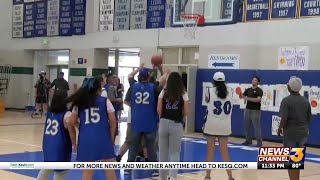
(29,124)
(16,142)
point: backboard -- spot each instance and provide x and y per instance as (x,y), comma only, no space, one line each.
(215,11)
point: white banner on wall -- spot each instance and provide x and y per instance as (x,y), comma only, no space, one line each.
(121,15)
(169,6)
(293,58)
(17,21)
(138,18)
(223,61)
(106,15)
(53,18)
(275,125)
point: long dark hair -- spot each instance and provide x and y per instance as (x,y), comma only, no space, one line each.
(87,94)
(175,88)
(222,90)
(58,103)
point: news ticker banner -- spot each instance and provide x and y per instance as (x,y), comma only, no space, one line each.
(262,10)
(41,18)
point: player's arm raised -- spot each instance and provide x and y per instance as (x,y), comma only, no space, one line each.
(133,73)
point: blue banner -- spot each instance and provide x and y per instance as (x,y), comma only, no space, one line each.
(309,8)
(257,10)
(226,9)
(156,15)
(15,2)
(66,10)
(79,17)
(40,27)
(28,19)
(283,9)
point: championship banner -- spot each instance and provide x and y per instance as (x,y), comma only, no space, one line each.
(28,18)
(79,17)
(128,165)
(17,19)
(106,15)
(53,18)
(122,15)
(156,14)
(65,24)
(40,28)
(169,6)
(309,8)
(283,9)
(138,16)
(256,10)
(226,9)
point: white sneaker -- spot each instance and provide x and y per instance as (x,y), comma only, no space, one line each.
(171,178)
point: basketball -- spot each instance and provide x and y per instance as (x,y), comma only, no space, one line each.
(156,60)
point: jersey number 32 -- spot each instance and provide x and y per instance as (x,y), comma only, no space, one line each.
(142,98)
(219,107)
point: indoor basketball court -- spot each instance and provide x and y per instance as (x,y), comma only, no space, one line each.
(186,36)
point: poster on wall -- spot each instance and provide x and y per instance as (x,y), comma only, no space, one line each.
(226,9)
(314,99)
(65,24)
(53,18)
(293,58)
(256,10)
(17,19)
(138,16)
(283,9)
(79,17)
(28,18)
(122,15)
(169,5)
(40,27)
(267,98)
(309,8)
(156,14)
(106,15)
(275,125)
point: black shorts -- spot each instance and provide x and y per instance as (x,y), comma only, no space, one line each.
(41,99)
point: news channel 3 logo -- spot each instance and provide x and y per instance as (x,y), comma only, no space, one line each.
(297,156)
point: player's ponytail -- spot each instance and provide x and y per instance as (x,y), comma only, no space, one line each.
(86,95)
(221,89)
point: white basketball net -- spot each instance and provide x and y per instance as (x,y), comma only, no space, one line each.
(190,25)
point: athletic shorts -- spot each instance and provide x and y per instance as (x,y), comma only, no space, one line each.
(41,99)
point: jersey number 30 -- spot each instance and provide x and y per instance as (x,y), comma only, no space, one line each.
(219,107)
(52,127)
(142,98)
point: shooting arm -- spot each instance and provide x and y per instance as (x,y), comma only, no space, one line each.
(133,73)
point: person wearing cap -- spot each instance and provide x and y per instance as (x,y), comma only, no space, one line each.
(144,121)
(217,124)
(60,85)
(252,112)
(295,113)
(42,88)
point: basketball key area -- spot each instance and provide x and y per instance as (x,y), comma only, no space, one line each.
(21,141)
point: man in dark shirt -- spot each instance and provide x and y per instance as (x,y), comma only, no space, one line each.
(295,113)
(42,93)
(252,112)
(60,85)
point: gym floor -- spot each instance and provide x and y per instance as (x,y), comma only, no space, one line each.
(21,139)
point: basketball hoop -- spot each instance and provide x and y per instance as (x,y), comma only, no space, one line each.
(190,24)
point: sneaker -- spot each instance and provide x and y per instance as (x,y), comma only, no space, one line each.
(118,158)
(171,178)
(155,173)
(259,144)
(127,172)
(246,143)
(207,178)
(138,159)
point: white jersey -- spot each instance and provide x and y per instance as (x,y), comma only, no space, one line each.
(219,111)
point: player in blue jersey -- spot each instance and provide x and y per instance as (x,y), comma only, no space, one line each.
(144,120)
(96,128)
(56,143)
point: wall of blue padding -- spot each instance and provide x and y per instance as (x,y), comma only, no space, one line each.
(269,77)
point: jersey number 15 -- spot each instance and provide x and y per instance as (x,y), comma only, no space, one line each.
(219,107)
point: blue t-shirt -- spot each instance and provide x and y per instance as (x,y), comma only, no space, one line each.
(143,108)
(94,141)
(56,145)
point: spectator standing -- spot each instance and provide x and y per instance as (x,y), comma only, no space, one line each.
(42,88)
(60,85)
(252,112)
(295,113)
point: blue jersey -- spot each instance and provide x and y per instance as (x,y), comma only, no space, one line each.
(143,108)
(56,145)
(94,141)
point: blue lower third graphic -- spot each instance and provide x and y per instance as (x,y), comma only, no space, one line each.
(192,150)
